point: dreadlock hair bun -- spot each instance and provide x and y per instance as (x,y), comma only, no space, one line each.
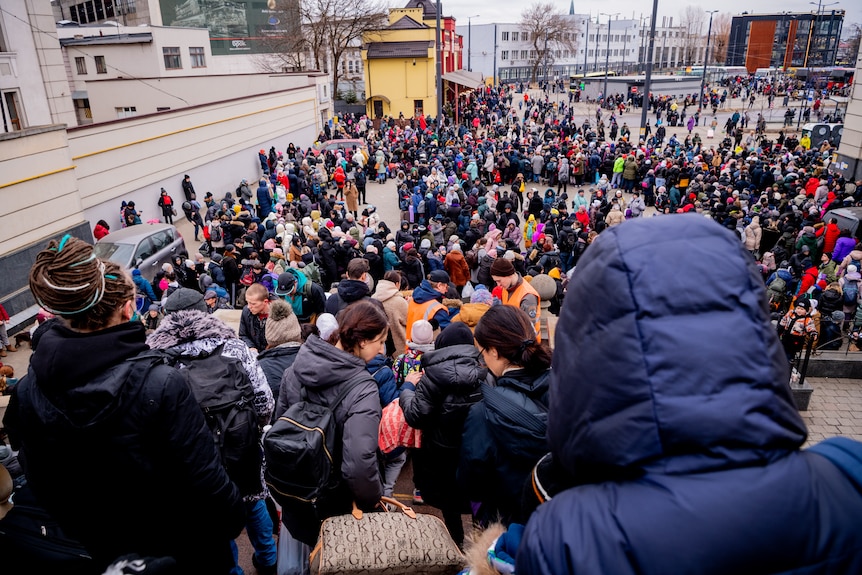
(68,280)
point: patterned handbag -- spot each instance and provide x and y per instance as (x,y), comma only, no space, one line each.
(389,543)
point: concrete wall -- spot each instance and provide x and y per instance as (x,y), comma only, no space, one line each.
(216,144)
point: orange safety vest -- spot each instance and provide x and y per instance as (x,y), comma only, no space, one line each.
(417,311)
(514,299)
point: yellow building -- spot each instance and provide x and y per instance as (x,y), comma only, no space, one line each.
(399,65)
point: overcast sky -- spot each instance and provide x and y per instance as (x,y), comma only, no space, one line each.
(510,10)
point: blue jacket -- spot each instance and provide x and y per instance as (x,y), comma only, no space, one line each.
(423,293)
(670,409)
(383,375)
(264,200)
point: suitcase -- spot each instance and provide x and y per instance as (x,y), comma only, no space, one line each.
(710,133)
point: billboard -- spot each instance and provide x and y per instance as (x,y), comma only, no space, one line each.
(237,27)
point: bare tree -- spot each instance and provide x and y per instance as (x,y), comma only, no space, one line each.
(329,29)
(548,29)
(692,20)
(850,51)
(341,25)
(720,37)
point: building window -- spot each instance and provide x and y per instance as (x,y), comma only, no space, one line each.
(418,107)
(197,57)
(81,65)
(505,37)
(172,58)
(11,112)
(532,54)
(101,67)
(504,54)
(127,112)
(523,54)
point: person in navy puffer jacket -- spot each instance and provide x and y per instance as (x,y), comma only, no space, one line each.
(671,410)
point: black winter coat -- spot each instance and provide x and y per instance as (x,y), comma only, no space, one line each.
(504,437)
(121,455)
(275,362)
(450,385)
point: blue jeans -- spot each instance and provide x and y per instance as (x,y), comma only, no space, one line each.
(258,527)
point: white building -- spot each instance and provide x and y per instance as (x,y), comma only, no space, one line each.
(163,119)
(506,49)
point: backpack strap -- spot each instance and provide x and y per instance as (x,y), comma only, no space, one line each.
(522,416)
(845,454)
(345,389)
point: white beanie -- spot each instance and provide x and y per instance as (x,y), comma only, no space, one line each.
(326,325)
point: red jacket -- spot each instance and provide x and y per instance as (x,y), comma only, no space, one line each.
(807,281)
(830,233)
(100,231)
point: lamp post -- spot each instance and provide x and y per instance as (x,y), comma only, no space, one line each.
(814,21)
(470,40)
(705,62)
(607,53)
(587,45)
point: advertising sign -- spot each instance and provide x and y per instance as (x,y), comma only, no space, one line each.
(237,27)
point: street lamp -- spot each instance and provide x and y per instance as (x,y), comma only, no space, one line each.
(705,62)
(470,40)
(607,53)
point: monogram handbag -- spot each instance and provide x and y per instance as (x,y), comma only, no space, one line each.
(386,543)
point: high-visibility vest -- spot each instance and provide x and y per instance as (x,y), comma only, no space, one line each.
(417,311)
(514,299)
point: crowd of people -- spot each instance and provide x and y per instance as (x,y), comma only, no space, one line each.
(518,205)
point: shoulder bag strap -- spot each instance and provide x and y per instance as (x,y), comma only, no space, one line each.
(845,454)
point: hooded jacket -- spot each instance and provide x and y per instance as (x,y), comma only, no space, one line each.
(106,442)
(322,369)
(681,461)
(349,291)
(425,293)
(395,306)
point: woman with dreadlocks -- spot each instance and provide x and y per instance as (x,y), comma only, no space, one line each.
(116,448)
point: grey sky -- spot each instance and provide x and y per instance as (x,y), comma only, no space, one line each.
(510,10)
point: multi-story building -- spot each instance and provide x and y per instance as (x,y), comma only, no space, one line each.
(849,156)
(787,39)
(505,50)
(400,62)
(165,118)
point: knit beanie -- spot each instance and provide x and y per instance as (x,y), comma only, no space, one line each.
(482,295)
(281,324)
(502,268)
(457,333)
(422,332)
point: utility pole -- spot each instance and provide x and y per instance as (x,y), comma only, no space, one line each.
(495,55)
(645,106)
(545,58)
(586,45)
(607,54)
(596,56)
(625,43)
(439,74)
(642,59)
(470,41)
(705,62)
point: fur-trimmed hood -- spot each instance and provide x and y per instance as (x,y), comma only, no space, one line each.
(187,326)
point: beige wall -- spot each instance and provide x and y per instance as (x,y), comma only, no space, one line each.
(215,144)
(150,94)
(38,189)
(850,149)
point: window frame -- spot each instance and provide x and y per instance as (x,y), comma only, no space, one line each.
(197,59)
(101,65)
(81,65)
(171,57)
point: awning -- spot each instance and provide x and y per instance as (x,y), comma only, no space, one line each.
(79,95)
(464,78)
(380,97)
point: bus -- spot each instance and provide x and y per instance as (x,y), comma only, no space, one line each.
(576,79)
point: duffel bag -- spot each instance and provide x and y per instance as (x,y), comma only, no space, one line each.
(387,543)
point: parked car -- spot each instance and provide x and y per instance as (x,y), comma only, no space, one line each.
(334,145)
(848,219)
(145,247)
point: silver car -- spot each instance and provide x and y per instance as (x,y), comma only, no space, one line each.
(145,246)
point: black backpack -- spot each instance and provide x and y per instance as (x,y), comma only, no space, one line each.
(225,394)
(303,458)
